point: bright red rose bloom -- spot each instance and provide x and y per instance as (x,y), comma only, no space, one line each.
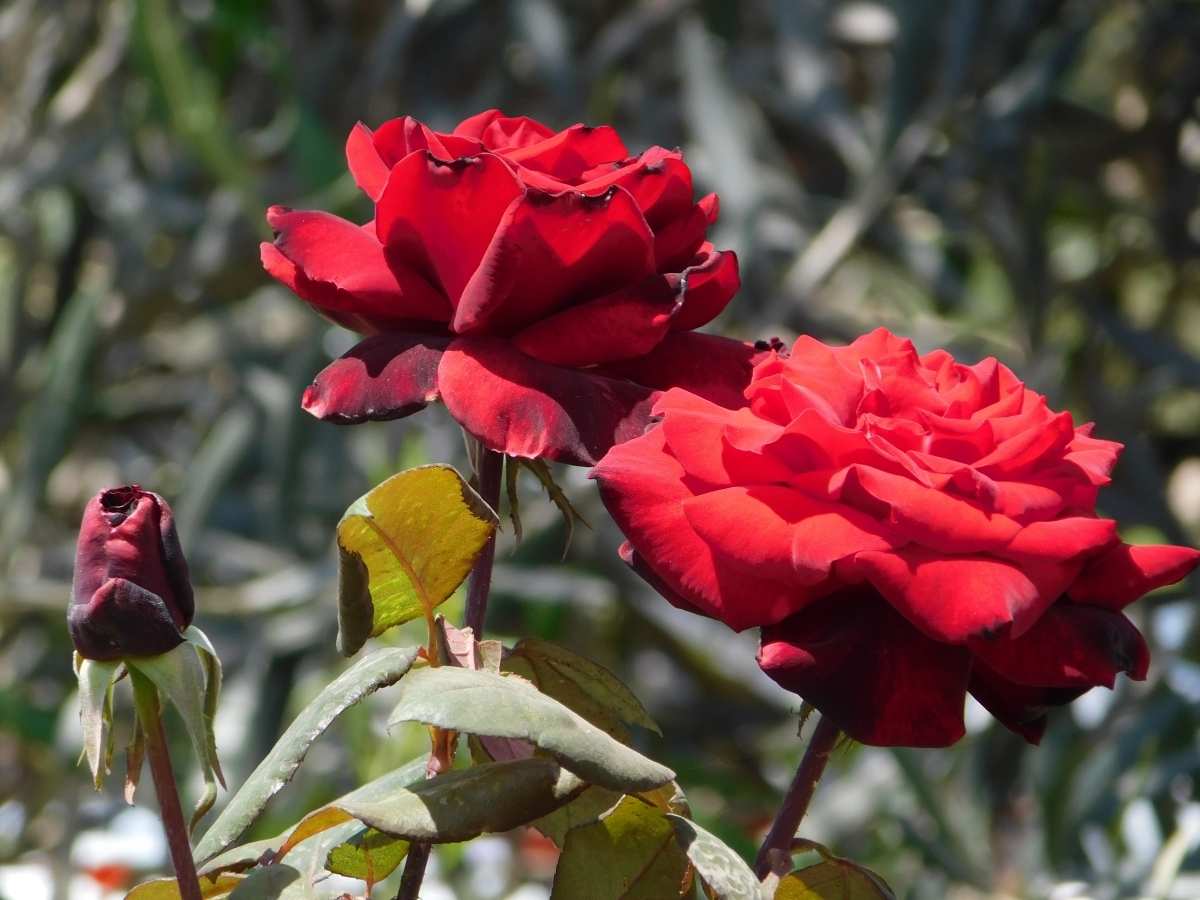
(904,527)
(542,285)
(132,593)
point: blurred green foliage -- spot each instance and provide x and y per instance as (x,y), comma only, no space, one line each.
(1018,178)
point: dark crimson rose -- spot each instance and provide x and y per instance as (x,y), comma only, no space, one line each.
(132,594)
(543,285)
(905,529)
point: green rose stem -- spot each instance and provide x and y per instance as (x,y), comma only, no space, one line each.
(795,804)
(491,472)
(145,698)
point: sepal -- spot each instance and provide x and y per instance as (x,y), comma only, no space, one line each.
(190,677)
(96,679)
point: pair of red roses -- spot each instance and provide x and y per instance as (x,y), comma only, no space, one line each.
(903,528)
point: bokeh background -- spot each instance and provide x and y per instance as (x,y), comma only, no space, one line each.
(1018,178)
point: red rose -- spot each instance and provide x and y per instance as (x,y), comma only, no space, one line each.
(907,529)
(132,594)
(543,285)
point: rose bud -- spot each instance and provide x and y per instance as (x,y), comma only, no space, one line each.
(903,528)
(544,286)
(132,593)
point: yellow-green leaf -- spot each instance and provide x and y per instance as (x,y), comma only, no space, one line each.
(404,548)
(583,809)
(211,888)
(630,853)
(589,805)
(372,856)
(833,879)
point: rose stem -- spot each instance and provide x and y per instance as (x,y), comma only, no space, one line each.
(491,471)
(145,698)
(795,804)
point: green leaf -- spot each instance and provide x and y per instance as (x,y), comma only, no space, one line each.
(578,683)
(833,879)
(463,804)
(380,669)
(597,800)
(372,856)
(404,548)
(720,868)
(310,856)
(275,882)
(630,853)
(239,859)
(484,703)
(587,807)
(95,712)
(168,889)
(670,799)
(329,816)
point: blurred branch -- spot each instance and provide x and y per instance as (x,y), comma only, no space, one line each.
(195,109)
(839,235)
(623,34)
(48,419)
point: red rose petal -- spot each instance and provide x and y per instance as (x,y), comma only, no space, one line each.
(1043,436)
(627,323)
(334,264)
(660,182)
(1093,457)
(570,153)
(440,217)
(710,287)
(1069,646)
(642,569)
(861,664)
(522,407)
(956,598)
(1125,573)
(474,126)
(371,155)
(696,430)
(384,377)
(679,241)
(782,533)
(931,517)
(551,252)
(1018,707)
(505,135)
(713,367)
(122,619)
(1033,501)
(1061,539)
(643,487)
(812,441)
(369,171)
